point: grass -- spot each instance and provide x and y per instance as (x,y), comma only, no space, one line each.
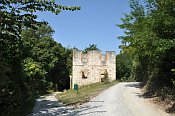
(84,94)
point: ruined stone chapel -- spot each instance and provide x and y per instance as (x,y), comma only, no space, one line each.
(90,67)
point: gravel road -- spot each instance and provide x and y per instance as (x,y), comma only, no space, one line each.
(49,106)
(123,99)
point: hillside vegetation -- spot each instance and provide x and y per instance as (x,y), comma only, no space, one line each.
(31,62)
(148,47)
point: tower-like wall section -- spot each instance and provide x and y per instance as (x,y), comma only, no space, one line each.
(111,64)
(90,67)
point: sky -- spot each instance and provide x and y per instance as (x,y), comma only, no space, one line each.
(95,23)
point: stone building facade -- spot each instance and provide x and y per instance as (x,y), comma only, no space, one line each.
(90,67)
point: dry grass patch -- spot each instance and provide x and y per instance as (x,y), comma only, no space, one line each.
(84,94)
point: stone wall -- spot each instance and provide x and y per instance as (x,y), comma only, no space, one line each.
(90,67)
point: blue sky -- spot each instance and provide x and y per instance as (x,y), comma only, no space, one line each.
(95,23)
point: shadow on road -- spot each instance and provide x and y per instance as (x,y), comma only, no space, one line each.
(136,85)
(54,108)
(51,108)
(82,110)
(139,94)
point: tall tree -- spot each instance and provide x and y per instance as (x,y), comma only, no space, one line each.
(16,15)
(91,47)
(150,35)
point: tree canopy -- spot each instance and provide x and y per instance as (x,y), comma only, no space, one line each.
(149,43)
(91,47)
(29,55)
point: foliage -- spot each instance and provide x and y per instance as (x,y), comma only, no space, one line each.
(52,57)
(33,68)
(123,66)
(91,47)
(18,13)
(149,36)
(106,77)
(27,52)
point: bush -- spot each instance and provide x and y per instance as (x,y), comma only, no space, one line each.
(106,77)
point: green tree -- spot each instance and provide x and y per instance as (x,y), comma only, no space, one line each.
(149,34)
(91,47)
(123,66)
(39,56)
(106,77)
(54,59)
(15,52)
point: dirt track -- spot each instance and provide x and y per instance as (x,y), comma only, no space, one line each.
(123,99)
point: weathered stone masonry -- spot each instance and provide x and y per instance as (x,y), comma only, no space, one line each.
(90,68)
